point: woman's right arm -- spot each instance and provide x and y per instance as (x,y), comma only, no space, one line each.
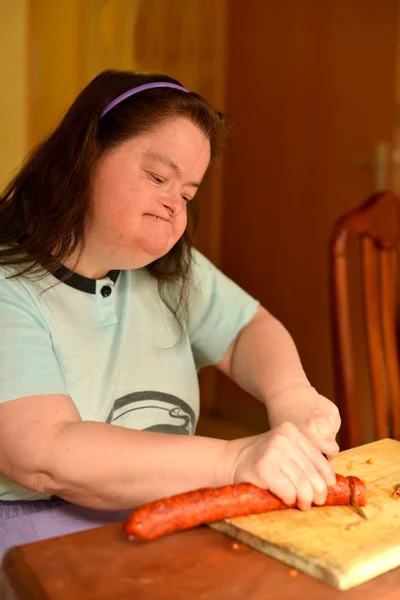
(46,447)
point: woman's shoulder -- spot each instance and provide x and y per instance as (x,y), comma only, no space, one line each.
(9,279)
(14,284)
(200,262)
(203,268)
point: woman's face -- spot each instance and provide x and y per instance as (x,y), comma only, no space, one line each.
(140,194)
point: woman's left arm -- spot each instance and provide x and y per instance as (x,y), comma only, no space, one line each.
(263,360)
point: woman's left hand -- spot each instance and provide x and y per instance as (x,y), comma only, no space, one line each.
(316,416)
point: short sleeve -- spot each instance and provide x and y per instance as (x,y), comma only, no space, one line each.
(28,365)
(217,310)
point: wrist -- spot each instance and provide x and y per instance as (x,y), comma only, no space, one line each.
(289,393)
(230,458)
(291,402)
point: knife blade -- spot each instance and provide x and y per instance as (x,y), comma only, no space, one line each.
(357,508)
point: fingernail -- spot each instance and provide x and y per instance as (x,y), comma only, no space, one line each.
(320,500)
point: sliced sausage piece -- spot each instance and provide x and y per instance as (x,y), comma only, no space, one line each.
(208,505)
(358,490)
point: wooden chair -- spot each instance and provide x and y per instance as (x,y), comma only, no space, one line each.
(375,224)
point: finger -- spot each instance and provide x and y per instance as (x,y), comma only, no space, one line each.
(330,420)
(309,482)
(300,480)
(330,449)
(327,445)
(323,435)
(318,483)
(321,464)
(280,485)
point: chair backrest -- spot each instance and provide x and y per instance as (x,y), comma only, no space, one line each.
(376,225)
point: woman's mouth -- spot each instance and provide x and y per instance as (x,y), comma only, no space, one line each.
(158,218)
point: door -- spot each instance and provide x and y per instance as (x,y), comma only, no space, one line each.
(311,91)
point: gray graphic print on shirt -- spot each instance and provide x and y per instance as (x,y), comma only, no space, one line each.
(155,411)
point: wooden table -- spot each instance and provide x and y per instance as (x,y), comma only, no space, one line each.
(102,564)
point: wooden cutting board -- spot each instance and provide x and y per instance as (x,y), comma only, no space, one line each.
(332,543)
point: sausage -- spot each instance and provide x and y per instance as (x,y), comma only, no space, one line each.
(358,490)
(207,505)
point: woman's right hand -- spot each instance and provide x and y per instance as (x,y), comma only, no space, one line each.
(285,462)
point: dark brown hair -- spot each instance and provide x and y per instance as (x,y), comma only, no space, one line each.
(44,209)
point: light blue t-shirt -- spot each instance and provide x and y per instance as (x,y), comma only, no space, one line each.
(114,346)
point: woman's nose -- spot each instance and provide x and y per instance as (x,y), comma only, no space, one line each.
(174,203)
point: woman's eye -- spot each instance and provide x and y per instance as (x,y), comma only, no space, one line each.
(186,199)
(156,178)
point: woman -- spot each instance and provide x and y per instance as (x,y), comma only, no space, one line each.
(107,314)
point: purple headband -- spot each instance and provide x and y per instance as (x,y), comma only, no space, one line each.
(141,88)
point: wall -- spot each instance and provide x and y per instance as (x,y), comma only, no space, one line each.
(311,91)
(70,42)
(14,89)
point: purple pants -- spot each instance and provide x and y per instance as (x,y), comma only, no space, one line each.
(22,522)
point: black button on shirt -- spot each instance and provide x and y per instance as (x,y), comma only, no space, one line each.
(106,291)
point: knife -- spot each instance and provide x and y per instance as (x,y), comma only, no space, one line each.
(357,507)
(354,504)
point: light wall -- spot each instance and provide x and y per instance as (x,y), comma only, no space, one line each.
(14,86)
(71,42)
